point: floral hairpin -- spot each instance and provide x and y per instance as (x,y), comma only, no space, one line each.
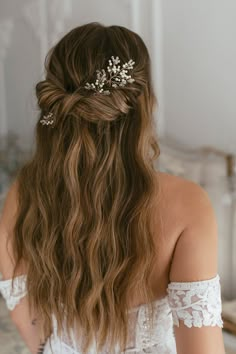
(115,76)
(46,119)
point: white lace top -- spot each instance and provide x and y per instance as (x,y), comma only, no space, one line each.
(195,303)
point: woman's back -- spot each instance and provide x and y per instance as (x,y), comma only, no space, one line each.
(181,278)
(170,218)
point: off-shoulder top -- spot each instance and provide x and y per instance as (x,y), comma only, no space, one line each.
(196,304)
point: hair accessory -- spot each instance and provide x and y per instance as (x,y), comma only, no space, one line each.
(46,119)
(115,76)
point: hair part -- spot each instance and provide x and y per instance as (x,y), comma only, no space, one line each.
(87,195)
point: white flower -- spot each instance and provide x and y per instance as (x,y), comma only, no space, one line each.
(114,77)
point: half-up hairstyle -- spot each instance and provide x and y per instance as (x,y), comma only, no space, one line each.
(87,195)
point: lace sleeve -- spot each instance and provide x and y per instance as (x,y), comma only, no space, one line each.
(196,303)
(13,296)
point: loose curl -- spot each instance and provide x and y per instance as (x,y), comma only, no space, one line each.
(87,195)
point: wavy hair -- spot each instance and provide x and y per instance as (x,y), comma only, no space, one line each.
(87,193)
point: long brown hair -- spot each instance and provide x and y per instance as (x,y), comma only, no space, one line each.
(86,196)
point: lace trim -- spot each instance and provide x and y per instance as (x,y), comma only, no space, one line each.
(190,284)
(13,296)
(196,303)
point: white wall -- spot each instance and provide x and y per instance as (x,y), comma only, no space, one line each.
(199,72)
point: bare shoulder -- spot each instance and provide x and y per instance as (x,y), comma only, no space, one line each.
(180,183)
(176,184)
(195,252)
(7,222)
(9,207)
(186,196)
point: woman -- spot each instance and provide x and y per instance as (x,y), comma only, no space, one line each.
(107,254)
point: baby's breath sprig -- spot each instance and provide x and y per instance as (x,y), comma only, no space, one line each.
(46,119)
(116,76)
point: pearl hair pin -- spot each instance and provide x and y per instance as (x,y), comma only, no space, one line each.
(115,76)
(46,119)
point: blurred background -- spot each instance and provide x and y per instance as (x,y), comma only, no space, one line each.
(192,44)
